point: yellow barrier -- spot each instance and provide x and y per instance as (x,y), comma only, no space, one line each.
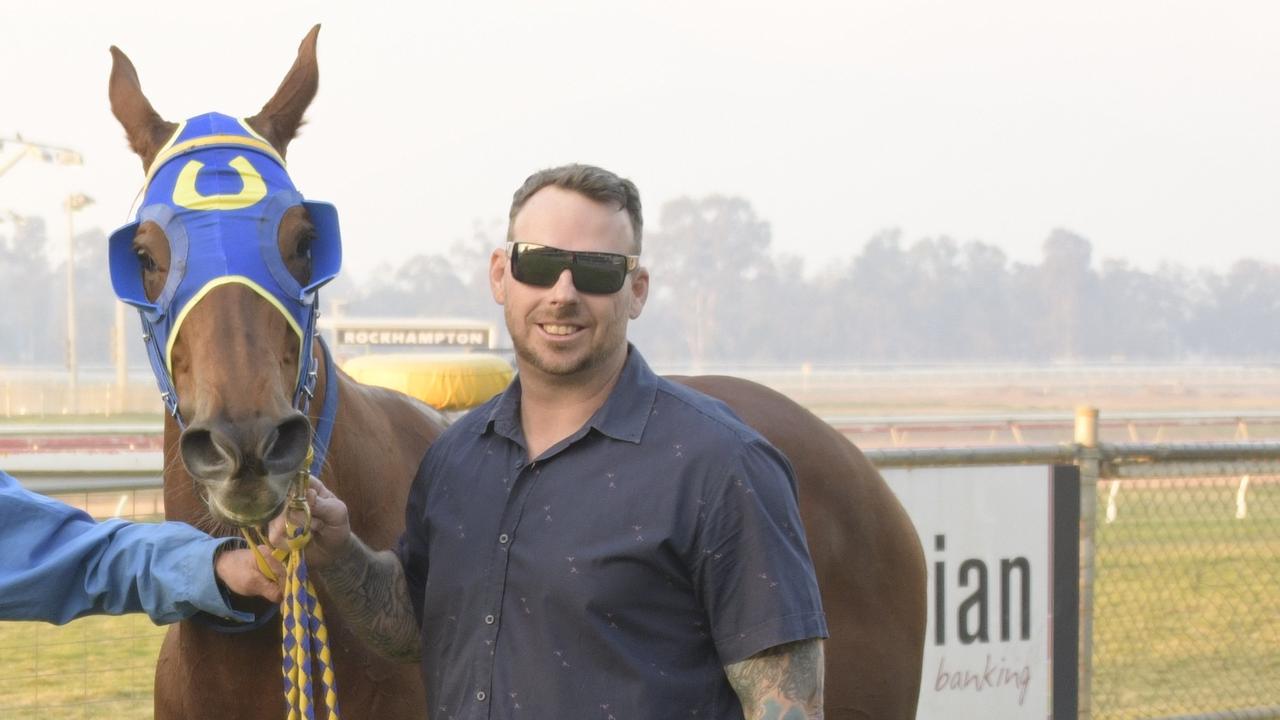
(445,382)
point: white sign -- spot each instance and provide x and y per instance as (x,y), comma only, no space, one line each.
(986,534)
(466,337)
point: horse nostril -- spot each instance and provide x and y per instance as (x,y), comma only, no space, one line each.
(205,456)
(285,449)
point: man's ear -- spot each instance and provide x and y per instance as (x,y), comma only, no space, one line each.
(497,275)
(639,291)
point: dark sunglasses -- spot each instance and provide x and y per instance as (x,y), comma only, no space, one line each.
(599,273)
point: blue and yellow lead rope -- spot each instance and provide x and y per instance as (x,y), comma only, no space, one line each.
(304,635)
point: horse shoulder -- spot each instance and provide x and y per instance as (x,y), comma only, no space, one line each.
(379,439)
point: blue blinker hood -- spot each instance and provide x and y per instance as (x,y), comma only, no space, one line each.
(218,190)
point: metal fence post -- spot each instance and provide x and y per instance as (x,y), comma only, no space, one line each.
(1088,459)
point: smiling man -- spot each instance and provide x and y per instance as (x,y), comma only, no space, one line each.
(595,541)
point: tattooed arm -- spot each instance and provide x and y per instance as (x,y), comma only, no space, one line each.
(368,588)
(370,591)
(781,683)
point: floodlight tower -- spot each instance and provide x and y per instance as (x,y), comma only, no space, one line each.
(75,201)
(56,155)
(53,154)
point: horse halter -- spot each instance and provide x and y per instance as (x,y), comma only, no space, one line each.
(218,190)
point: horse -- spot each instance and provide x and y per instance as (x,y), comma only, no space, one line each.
(233,437)
(228,371)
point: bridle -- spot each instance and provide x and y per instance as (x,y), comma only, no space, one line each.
(219,191)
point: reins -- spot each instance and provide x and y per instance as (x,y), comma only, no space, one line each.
(304,636)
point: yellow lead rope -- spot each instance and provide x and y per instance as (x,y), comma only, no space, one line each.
(304,635)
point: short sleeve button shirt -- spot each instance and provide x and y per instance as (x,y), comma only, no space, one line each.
(615,575)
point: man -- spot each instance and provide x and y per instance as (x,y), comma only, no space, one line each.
(595,541)
(59,564)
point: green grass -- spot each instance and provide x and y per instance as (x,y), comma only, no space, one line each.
(99,667)
(1187,602)
(1187,620)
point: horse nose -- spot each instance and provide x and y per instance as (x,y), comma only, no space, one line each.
(218,451)
(285,448)
(209,453)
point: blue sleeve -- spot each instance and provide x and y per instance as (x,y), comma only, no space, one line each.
(59,564)
(755,576)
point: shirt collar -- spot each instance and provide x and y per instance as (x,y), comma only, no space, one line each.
(623,416)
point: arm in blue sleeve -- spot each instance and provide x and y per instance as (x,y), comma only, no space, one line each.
(58,564)
(755,575)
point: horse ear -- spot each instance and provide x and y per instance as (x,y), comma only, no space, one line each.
(280,118)
(147,131)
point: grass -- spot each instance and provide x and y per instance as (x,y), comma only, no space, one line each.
(1187,613)
(95,667)
(99,667)
(1187,619)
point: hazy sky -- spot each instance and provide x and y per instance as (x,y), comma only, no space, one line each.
(1151,127)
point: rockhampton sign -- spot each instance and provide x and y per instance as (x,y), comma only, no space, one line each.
(1001,546)
(449,337)
(410,333)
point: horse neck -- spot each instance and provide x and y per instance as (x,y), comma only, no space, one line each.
(351,420)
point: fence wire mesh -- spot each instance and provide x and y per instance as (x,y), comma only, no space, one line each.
(1187,596)
(1187,611)
(92,668)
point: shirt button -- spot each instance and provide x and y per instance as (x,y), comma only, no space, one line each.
(488,619)
(503,538)
(481,696)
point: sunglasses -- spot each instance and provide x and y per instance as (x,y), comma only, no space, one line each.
(599,273)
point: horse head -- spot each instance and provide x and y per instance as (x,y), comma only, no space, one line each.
(223,263)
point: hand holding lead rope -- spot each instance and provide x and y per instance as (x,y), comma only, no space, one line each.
(307,664)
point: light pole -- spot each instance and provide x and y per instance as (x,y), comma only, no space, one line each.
(39,151)
(55,155)
(75,201)
(121,359)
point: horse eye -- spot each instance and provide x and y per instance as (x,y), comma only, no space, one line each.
(303,249)
(148,263)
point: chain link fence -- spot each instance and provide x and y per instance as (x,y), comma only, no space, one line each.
(93,668)
(1180,601)
(1185,589)
(1187,598)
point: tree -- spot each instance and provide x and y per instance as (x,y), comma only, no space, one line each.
(1068,284)
(1241,313)
(28,323)
(1146,314)
(707,259)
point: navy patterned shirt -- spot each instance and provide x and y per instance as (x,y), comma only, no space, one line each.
(615,575)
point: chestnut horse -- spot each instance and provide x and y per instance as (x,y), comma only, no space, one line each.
(231,372)
(233,364)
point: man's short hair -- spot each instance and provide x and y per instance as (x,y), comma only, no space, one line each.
(590,181)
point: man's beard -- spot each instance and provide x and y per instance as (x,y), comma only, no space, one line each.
(554,365)
(549,364)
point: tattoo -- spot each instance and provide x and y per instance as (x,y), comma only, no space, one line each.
(781,683)
(371,592)
(773,711)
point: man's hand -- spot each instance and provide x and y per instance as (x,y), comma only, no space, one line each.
(330,526)
(369,588)
(238,571)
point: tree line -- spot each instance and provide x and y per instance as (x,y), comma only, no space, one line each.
(721,295)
